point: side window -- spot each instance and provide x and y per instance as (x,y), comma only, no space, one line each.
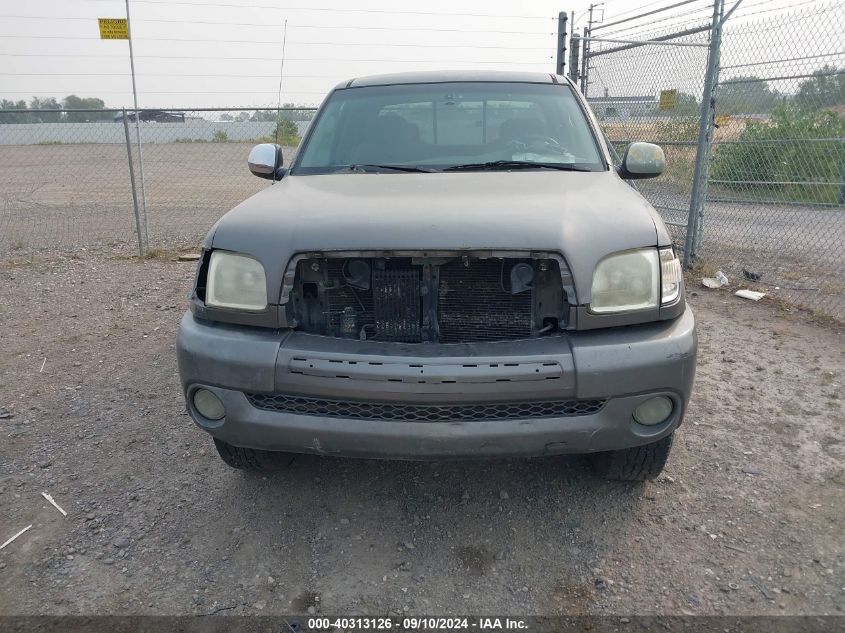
(321,144)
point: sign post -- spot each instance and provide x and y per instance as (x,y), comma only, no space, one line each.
(119,29)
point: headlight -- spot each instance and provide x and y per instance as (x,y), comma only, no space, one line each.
(235,281)
(626,281)
(671,275)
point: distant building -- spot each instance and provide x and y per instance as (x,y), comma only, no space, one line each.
(157,116)
(623,107)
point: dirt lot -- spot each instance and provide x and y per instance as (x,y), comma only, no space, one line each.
(746,520)
(86,202)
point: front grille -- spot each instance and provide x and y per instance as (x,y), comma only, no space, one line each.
(393,412)
(475,302)
(458,299)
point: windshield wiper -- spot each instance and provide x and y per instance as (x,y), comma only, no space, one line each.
(369,167)
(516,164)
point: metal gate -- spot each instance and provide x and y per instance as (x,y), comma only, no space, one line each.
(645,83)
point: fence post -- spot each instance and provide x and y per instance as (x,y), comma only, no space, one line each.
(561,43)
(842,186)
(706,125)
(574,49)
(134,191)
(141,177)
(585,61)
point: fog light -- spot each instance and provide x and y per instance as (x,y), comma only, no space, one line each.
(654,410)
(208,404)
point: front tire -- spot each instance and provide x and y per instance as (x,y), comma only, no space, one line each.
(251,459)
(633,464)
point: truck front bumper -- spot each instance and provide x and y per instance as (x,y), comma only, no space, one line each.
(572,393)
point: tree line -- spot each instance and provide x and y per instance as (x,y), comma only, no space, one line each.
(56,111)
(290,111)
(749,94)
(71,102)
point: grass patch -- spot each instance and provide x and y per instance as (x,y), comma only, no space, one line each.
(787,158)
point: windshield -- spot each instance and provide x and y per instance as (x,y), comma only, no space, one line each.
(432,127)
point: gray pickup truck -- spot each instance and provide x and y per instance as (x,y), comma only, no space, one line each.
(451,266)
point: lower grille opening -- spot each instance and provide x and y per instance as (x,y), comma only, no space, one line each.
(458,299)
(397,412)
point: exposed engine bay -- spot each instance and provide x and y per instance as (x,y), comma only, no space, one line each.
(450,299)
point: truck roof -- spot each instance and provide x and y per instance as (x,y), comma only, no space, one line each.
(439,76)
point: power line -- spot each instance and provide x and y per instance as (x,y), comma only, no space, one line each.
(299,26)
(265,59)
(179,92)
(252,24)
(335,76)
(330,10)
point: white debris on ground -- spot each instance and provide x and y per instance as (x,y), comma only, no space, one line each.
(750,294)
(53,502)
(719,280)
(15,536)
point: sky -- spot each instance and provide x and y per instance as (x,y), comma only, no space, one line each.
(226,53)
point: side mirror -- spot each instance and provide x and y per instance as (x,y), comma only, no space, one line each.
(642,160)
(265,160)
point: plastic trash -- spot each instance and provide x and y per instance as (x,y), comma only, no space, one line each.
(719,280)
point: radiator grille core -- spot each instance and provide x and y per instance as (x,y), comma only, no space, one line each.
(475,302)
(396,303)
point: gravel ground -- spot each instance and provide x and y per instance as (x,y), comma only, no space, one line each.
(747,518)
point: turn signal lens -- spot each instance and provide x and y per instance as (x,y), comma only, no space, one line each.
(671,276)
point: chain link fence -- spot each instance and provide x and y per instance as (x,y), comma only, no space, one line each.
(754,182)
(66,183)
(648,93)
(774,208)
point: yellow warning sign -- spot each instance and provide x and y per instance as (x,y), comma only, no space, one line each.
(668,99)
(113,28)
